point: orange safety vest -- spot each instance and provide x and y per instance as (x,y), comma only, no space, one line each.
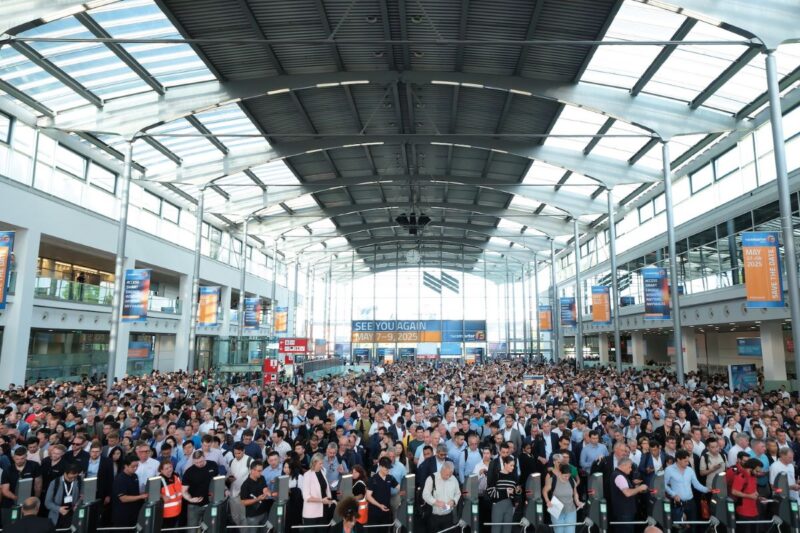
(363,507)
(173,497)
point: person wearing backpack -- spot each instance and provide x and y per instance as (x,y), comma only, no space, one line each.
(560,484)
(745,494)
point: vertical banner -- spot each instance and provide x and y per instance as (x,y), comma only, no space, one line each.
(762,269)
(545,318)
(568,311)
(281,319)
(136,295)
(252,313)
(656,293)
(6,248)
(270,371)
(207,306)
(742,377)
(601,304)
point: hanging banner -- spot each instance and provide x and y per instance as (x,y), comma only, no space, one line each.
(601,304)
(140,350)
(281,319)
(762,269)
(545,318)
(6,249)
(292,345)
(742,377)
(568,311)
(270,370)
(207,306)
(136,295)
(252,313)
(656,293)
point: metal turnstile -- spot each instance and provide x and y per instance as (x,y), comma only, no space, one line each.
(275,520)
(470,513)
(152,512)
(534,507)
(213,520)
(85,517)
(598,510)
(405,511)
(12,514)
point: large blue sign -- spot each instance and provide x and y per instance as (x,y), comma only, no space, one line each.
(656,293)
(743,377)
(136,295)
(471,331)
(396,325)
(362,353)
(450,349)
(568,311)
(407,352)
(748,346)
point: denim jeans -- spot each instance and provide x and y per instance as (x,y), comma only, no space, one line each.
(565,518)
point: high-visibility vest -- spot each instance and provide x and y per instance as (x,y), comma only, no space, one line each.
(363,507)
(173,497)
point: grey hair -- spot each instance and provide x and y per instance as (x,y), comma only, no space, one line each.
(316,458)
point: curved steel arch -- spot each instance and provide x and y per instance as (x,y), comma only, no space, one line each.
(605,170)
(129,115)
(547,225)
(773,22)
(535,243)
(571,203)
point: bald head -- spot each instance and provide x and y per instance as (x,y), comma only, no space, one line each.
(31,506)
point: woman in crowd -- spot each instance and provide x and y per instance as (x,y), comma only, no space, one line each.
(317,498)
(171,493)
(505,494)
(294,507)
(379,493)
(561,491)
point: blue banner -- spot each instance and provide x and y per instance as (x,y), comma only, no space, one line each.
(743,377)
(748,346)
(656,293)
(136,295)
(362,353)
(6,250)
(473,331)
(407,352)
(396,325)
(568,311)
(252,313)
(385,351)
(450,349)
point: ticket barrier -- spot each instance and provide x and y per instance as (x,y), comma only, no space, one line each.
(152,512)
(84,519)
(534,508)
(470,513)
(720,507)
(405,511)
(214,516)
(12,514)
(597,512)
(276,520)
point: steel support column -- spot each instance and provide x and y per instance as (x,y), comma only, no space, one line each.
(578,298)
(785,204)
(535,308)
(242,279)
(374,353)
(352,301)
(274,299)
(673,263)
(526,337)
(294,298)
(328,330)
(555,307)
(195,302)
(507,315)
(119,265)
(612,253)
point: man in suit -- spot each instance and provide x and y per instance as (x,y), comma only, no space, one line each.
(30,522)
(101,467)
(511,433)
(77,454)
(546,445)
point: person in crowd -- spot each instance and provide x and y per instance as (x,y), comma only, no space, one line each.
(171,493)
(317,497)
(30,522)
(63,496)
(679,480)
(197,486)
(442,493)
(127,496)
(379,493)
(21,468)
(562,486)
(744,492)
(624,495)
(504,492)
(348,511)
(254,495)
(293,515)
(238,471)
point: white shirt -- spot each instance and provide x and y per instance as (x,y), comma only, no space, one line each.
(239,470)
(734,451)
(778,467)
(699,448)
(283,448)
(146,470)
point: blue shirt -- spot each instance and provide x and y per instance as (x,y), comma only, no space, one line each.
(762,480)
(398,472)
(468,465)
(271,475)
(677,483)
(590,454)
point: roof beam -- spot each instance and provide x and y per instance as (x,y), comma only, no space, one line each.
(724,77)
(607,171)
(22,15)
(34,104)
(131,114)
(51,68)
(773,22)
(98,31)
(415,239)
(199,126)
(166,152)
(679,35)
(551,226)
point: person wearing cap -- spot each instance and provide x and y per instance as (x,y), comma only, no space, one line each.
(21,468)
(63,496)
(29,522)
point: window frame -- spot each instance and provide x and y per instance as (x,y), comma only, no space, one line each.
(147,193)
(177,220)
(705,168)
(67,172)
(9,131)
(91,182)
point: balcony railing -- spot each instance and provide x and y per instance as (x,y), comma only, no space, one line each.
(73,291)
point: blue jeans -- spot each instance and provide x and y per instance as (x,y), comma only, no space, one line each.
(565,518)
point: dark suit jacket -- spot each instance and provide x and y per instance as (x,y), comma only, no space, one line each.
(82,459)
(105,478)
(31,524)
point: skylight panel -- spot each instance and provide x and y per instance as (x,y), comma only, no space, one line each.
(543,173)
(275,173)
(231,120)
(32,80)
(621,148)
(509,225)
(524,204)
(322,226)
(301,203)
(574,121)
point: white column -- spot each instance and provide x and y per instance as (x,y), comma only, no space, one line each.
(14,356)
(638,348)
(181,361)
(603,343)
(123,333)
(689,342)
(225,303)
(773,350)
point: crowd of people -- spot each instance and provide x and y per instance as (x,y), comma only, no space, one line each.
(443,424)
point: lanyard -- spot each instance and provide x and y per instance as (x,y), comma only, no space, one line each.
(68,492)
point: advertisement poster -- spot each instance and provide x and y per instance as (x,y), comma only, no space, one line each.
(207,307)
(320,347)
(386,355)
(6,248)
(762,269)
(362,354)
(534,382)
(656,293)
(391,331)
(139,350)
(742,377)
(748,346)
(252,313)
(136,295)
(407,353)
(568,311)
(545,318)
(473,355)
(281,319)
(601,304)
(450,349)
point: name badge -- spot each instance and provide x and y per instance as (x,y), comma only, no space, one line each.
(67,500)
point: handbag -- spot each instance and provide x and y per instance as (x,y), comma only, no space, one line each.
(705,509)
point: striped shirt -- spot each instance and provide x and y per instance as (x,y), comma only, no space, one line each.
(500,489)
